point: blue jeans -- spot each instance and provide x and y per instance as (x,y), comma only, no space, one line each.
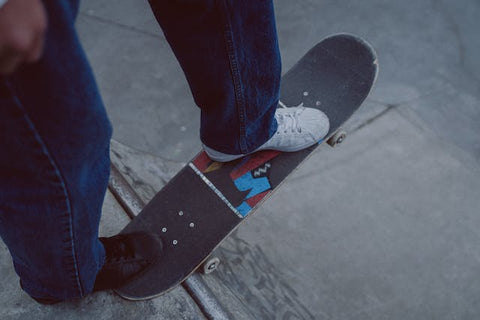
(55,133)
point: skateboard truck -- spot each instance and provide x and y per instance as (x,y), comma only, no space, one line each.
(210,265)
(337,137)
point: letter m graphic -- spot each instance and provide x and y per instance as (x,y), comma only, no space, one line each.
(255,185)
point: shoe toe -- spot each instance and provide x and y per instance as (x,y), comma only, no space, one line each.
(146,246)
(315,122)
(127,256)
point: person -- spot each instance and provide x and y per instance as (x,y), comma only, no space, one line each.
(55,133)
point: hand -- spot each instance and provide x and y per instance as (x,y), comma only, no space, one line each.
(23,24)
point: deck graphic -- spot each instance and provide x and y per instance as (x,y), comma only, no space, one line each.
(250,177)
(207,200)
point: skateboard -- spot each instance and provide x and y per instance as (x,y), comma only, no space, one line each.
(208,200)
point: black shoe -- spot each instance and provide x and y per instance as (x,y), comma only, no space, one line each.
(127,256)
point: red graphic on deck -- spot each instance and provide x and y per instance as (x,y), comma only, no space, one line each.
(202,161)
(253,162)
(252,202)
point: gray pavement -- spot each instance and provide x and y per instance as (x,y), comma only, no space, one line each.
(383,227)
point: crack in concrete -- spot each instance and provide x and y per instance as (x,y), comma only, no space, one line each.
(388,108)
(121,25)
(409,101)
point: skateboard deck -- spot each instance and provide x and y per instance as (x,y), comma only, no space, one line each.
(207,200)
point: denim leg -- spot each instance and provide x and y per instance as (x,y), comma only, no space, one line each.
(54,165)
(228,50)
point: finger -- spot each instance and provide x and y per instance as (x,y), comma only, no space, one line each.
(40,31)
(35,53)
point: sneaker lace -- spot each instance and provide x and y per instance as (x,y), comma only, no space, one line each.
(289,121)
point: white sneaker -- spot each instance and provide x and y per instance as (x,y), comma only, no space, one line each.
(298,128)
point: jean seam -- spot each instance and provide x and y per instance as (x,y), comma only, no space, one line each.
(236,79)
(61,180)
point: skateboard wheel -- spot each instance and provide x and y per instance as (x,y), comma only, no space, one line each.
(337,138)
(210,265)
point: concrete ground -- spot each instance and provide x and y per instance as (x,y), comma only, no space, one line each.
(383,227)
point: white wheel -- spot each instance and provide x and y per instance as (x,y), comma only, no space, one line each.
(337,138)
(210,265)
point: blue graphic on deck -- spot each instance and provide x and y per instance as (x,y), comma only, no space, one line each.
(244,209)
(256,185)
